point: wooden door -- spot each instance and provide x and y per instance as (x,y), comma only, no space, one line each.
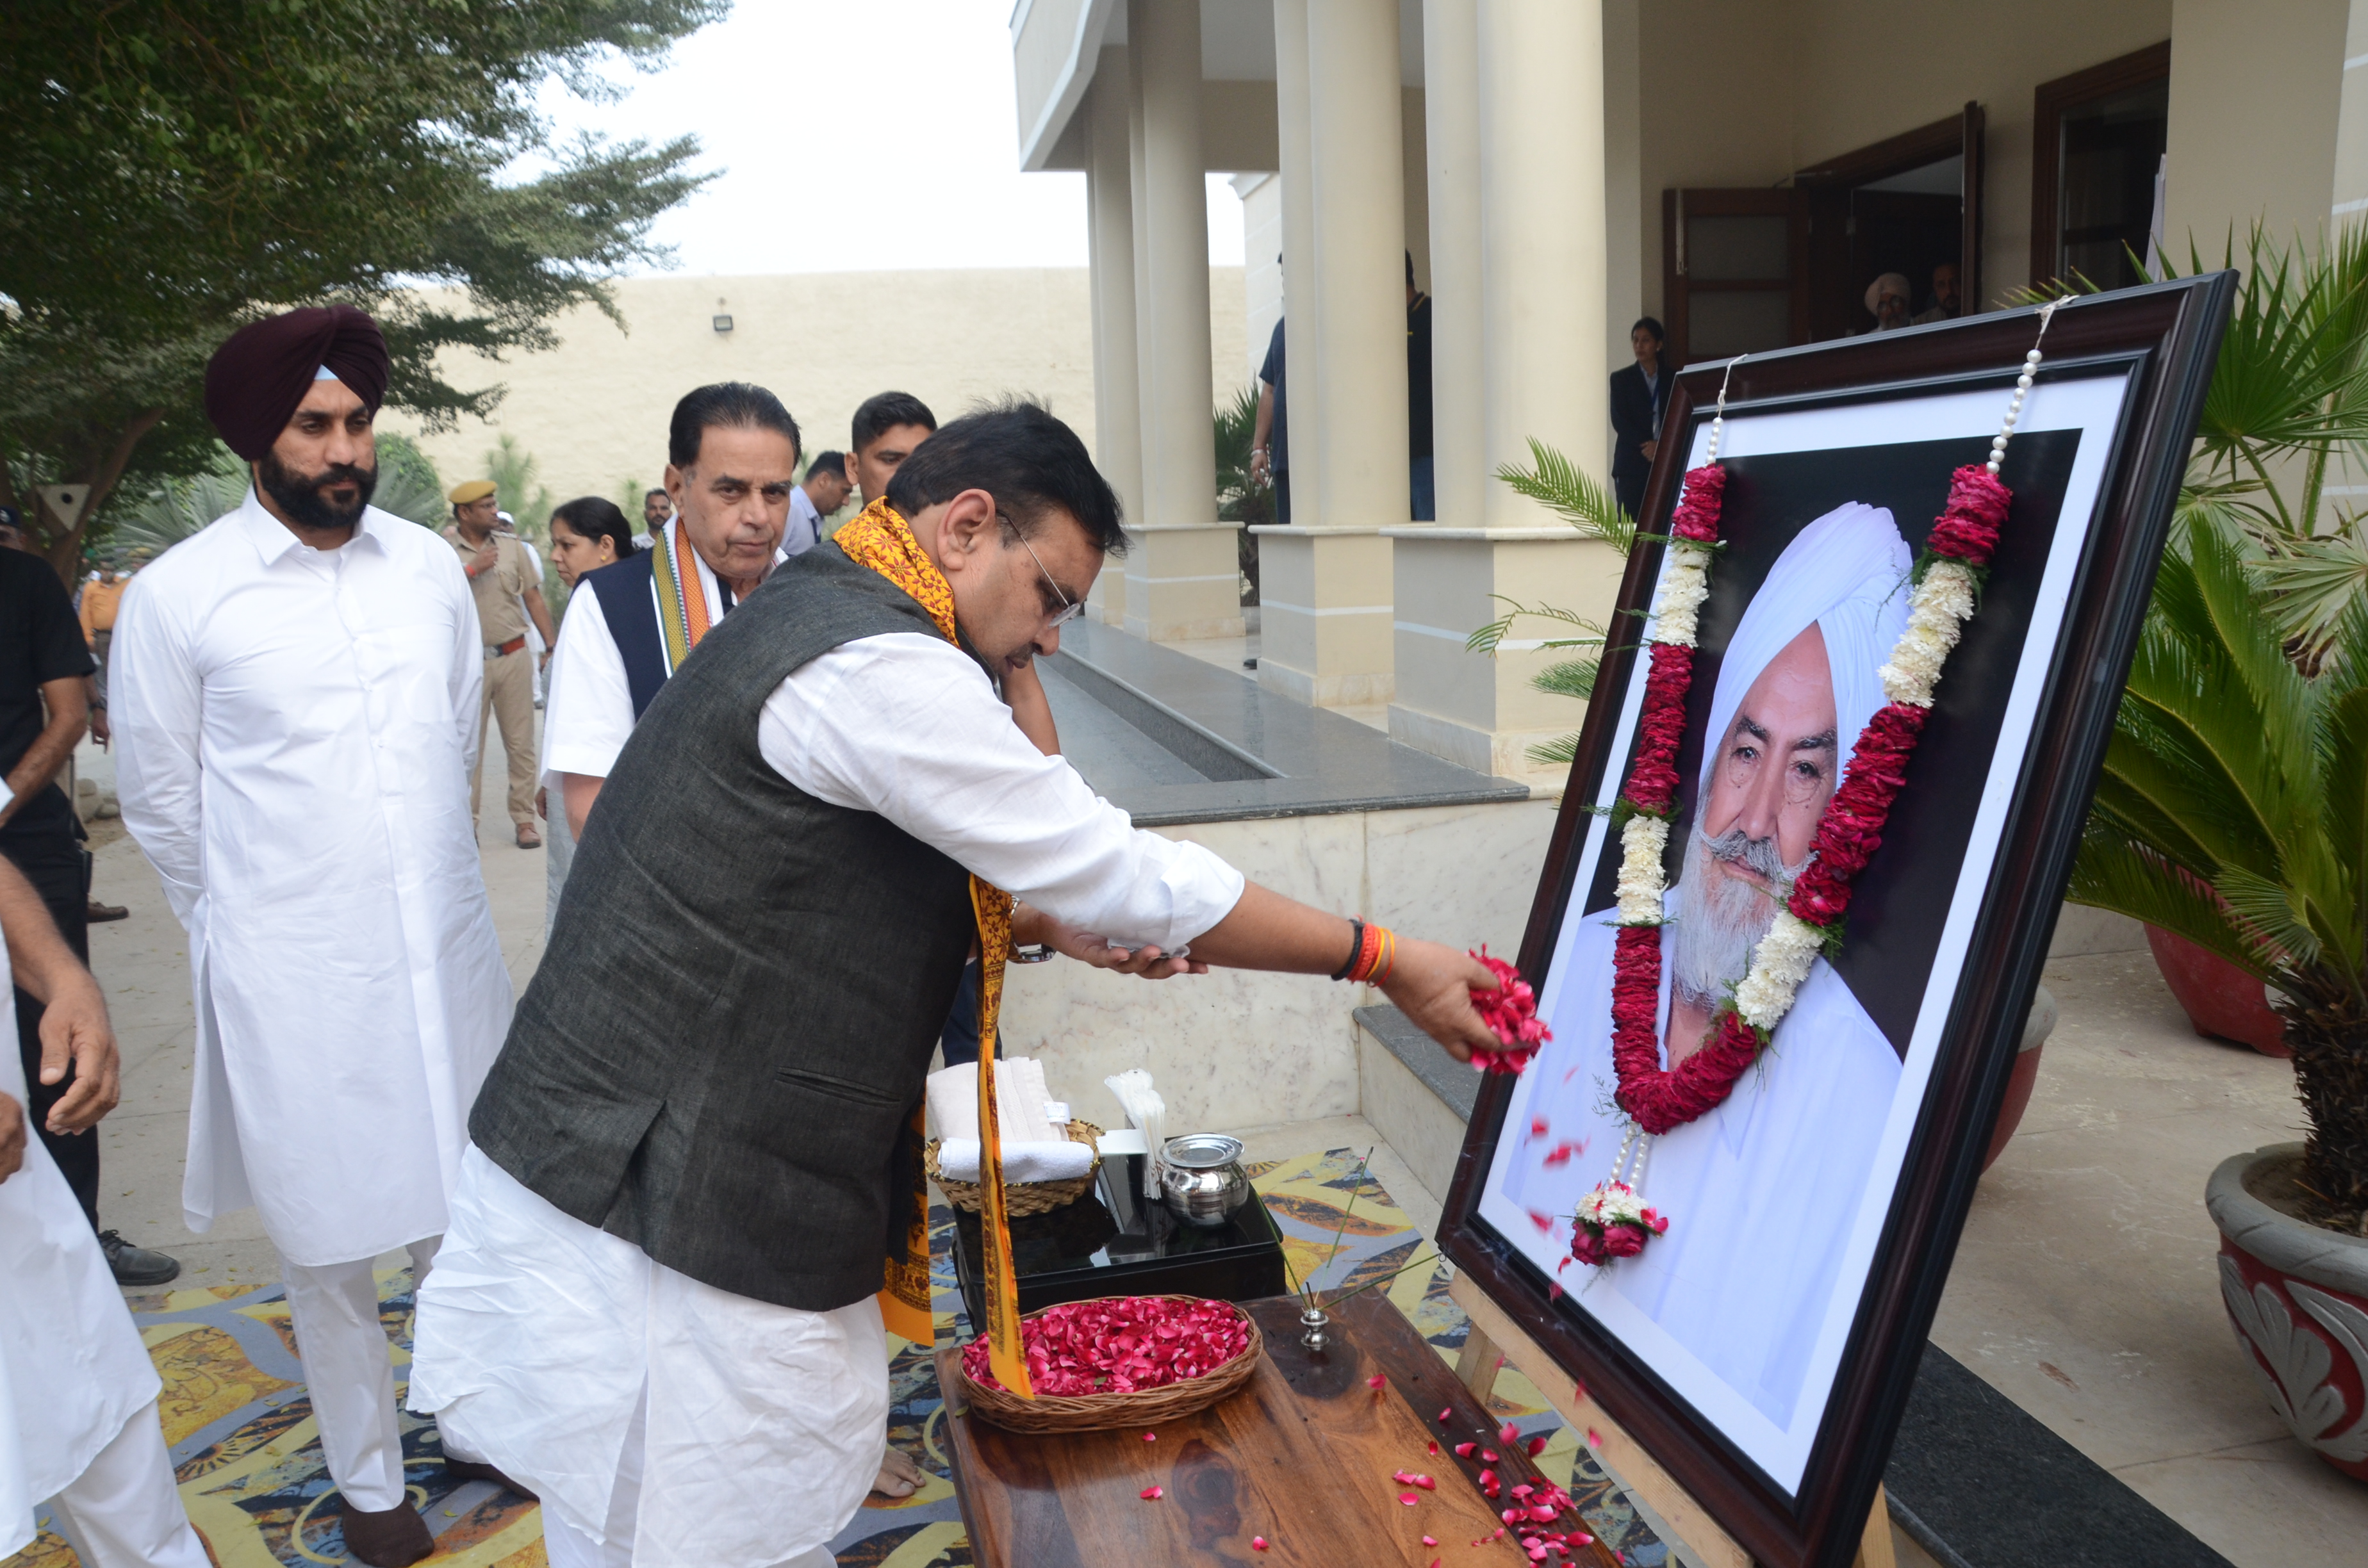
(1733,269)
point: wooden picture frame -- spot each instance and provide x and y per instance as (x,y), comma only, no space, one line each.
(2161,340)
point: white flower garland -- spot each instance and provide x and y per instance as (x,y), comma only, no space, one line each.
(1779,965)
(1684,587)
(1937,614)
(1642,841)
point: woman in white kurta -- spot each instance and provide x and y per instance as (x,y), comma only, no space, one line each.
(77,1390)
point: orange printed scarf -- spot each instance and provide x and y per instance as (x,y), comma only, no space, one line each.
(880,538)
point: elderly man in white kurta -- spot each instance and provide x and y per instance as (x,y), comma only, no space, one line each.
(1745,1275)
(77,1390)
(296,708)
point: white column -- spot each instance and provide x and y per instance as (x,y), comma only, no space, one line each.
(1182,579)
(1325,579)
(1450,51)
(1516,88)
(1542,241)
(1300,306)
(1118,397)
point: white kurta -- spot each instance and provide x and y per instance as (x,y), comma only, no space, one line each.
(294,730)
(1759,1193)
(72,1368)
(763,1424)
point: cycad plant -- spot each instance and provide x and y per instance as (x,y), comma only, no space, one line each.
(2233,813)
(1242,496)
(1563,489)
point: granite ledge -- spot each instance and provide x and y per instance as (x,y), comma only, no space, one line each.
(1457,1086)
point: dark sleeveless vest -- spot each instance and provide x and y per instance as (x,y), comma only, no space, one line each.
(628,606)
(720,1054)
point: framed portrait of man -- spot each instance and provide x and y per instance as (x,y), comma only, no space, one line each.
(1762,1346)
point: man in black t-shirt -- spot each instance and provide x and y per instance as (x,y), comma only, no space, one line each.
(43,711)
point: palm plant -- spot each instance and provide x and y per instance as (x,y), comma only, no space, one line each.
(1563,488)
(1242,496)
(2288,404)
(2233,813)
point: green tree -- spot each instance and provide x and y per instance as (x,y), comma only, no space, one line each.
(171,168)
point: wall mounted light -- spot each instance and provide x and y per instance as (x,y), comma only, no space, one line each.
(724,323)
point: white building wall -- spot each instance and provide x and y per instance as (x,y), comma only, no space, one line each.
(593,410)
(1261,197)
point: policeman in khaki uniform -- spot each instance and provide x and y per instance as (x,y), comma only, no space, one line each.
(508,589)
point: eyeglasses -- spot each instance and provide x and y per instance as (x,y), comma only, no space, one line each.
(1069,607)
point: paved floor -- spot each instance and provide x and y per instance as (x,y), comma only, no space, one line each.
(2083,1289)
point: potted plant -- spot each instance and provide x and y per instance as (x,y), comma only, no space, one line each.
(2289,395)
(2233,811)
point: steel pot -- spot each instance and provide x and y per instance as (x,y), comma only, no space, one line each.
(1201,1179)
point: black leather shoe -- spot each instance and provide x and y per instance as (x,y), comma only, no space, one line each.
(392,1538)
(477,1469)
(137,1266)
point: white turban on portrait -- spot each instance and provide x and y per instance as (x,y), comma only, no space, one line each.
(1846,573)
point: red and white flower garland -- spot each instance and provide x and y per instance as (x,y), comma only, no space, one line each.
(1659,1099)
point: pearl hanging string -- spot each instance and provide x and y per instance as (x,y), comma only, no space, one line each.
(2022,389)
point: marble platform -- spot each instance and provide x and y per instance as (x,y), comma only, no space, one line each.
(1176,739)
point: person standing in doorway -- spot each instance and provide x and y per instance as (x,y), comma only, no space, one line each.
(507,585)
(1269,440)
(1639,393)
(1421,483)
(1945,306)
(44,708)
(297,699)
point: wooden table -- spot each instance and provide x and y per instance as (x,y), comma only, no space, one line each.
(1302,1456)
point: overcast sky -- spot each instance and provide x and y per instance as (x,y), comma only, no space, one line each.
(855,137)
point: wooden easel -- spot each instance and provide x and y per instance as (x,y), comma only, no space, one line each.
(1494,1336)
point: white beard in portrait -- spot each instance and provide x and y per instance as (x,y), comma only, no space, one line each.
(1743,1280)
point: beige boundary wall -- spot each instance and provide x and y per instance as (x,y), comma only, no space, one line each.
(593,410)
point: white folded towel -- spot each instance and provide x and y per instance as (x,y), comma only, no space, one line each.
(952,1094)
(1146,1110)
(1035,1161)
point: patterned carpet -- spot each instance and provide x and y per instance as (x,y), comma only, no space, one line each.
(249,1456)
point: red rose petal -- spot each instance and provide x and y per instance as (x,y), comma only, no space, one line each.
(1510,1433)
(1594,1439)
(1376,1382)
(1434,1447)
(1408,1499)
(1426,1482)
(1464,1450)
(1428,1541)
(1488,1454)
(1445,1416)
(1257,1543)
(1536,1445)
(1151,1437)
(1151,1493)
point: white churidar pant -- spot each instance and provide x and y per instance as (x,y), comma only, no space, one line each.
(333,1307)
(661,1421)
(123,1511)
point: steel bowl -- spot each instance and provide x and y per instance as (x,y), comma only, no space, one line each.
(1201,1180)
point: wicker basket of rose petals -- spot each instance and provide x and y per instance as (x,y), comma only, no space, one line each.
(1118,1361)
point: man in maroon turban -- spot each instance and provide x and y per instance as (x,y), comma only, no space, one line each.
(258,390)
(298,687)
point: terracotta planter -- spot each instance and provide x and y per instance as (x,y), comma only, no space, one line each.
(2035,1031)
(2298,1298)
(2222,1001)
